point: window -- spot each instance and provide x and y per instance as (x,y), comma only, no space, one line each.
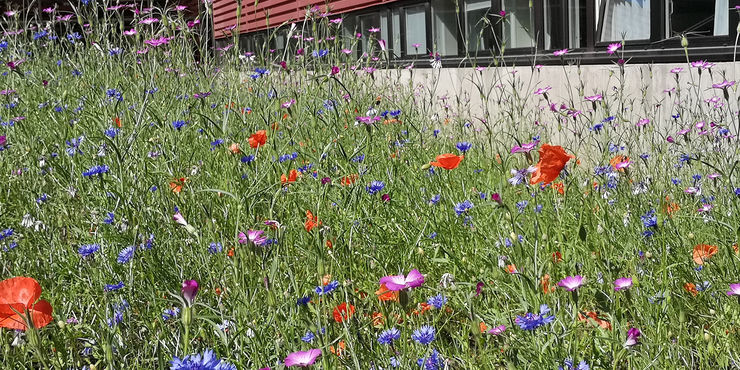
(478,31)
(445,27)
(365,23)
(565,24)
(698,18)
(623,19)
(395,46)
(416,30)
(519,27)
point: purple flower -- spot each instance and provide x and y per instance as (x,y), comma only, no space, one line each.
(559,53)
(525,148)
(613,47)
(571,283)
(158,41)
(496,197)
(597,97)
(633,337)
(189,291)
(622,284)
(498,330)
(386,198)
(414,279)
(723,85)
(3,141)
(531,321)
(734,290)
(255,237)
(302,358)
(288,103)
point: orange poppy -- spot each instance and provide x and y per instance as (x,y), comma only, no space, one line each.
(557,257)
(384,294)
(617,160)
(378,319)
(292,176)
(19,302)
(448,161)
(703,252)
(117,121)
(258,139)
(311,221)
(558,186)
(234,148)
(735,248)
(343,312)
(482,327)
(177,184)
(349,180)
(511,268)
(340,350)
(326,279)
(545,282)
(669,207)
(691,288)
(423,307)
(552,160)
(604,324)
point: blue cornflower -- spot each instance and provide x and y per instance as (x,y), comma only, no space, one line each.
(463,207)
(303,301)
(358,158)
(113,287)
(170,313)
(109,219)
(247,159)
(74,146)
(435,132)
(433,362)
(73,36)
(112,132)
(437,301)
(649,219)
(521,206)
(126,254)
(532,321)
(206,361)
(88,249)
(6,234)
(676,181)
(177,125)
(435,199)
(395,113)
(320,53)
(308,337)
(538,208)
(569,365)
(96,170)
(148,243)
(737,191)
(597,127)
(76,73)
(114,94)
(520,176)
(327,289)
(42,198)
(40,34)
(423,335)
(432,235)
(216,143)
(215,247)
(464,146)
(375,187)
(388,336)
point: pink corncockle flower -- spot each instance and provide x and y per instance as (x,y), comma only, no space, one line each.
(642,122)
(368,120)
(230,28)
(358,35)
(334,70)
(671,90)
(498,330)
(48,10)
(571,283)
(713,176)
(416,45)
(308,38)
(382,45)
(130,32)
(10,13)
(194,23)
(3,141)
(692,190)
(180,220)
(180,8)
(14,64)
(622,284)
(7,92)
(409,67)
(613,47)
(701,64)
(374,30)
(538,66)
(705,208)
(622,165)
(149,21)
(525,148)
(273,224)
(64,18)
(346,51)
(684,131)
(677,70)
(723,85)
(369,70)
(335,21)
(414,279)
(302,358)
(633,337)
(542,90)
(330,38)
(386,198)
(597,97)
(480,69)
(142,51)
(288,103)
(189,291)
(734,290)
(158,41)
(560,53)
(255,237)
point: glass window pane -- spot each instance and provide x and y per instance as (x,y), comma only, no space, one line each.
(445,27)
(368,22)
(478,31)
(518,29)
(562,34)
(698,18)
(395,46)
(416,30)
(628,18)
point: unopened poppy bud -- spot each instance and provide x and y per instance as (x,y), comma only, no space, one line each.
(684,42)
(425,167)
(691,236)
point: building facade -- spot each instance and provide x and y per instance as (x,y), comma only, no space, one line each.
(528,31)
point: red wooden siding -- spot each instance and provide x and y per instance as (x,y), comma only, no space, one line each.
(279,11)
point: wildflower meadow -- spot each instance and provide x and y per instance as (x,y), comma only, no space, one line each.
(166,203)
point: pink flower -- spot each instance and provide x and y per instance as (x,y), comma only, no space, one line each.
(502,13)
(496,197)
(633,337)
(3,141)
(157,42)
(571,283)
(255,237)
(613,47)
(189,291)
(302,358)
(382,45)
(346,51)
(642,122)
(272,224)
(498,330)
(416,45)
(542,90)
(734,290)
(713,176)
(677,70)
(622,284)
(335,21)
(399,282)
(130,32)
(623,165)
(180,8)
(559,53)
(723,85)
(48,10)
(192,24)
(288,103)
(705,208)
(10,13)
(597,97)
(373,30)
(149,21)
(525,148)
(334,70)
(702,64)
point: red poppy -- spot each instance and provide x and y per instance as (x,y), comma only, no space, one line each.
(558,186)
(378,319)
(19,301)
(340,350)
(448,161)
(258,139)
(234,148)
(545,282)
(311,221)
(604,324)
(343,312)
(292,176)
(177,184)
(349,180)
(703,252)
(552,161)
(117,121)
(385,294)
(557,257)
(691,288)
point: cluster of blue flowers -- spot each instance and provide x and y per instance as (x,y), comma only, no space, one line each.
(205,361)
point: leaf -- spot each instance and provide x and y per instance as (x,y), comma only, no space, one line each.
(582,233)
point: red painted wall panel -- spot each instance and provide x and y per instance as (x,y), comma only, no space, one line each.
(276,11)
